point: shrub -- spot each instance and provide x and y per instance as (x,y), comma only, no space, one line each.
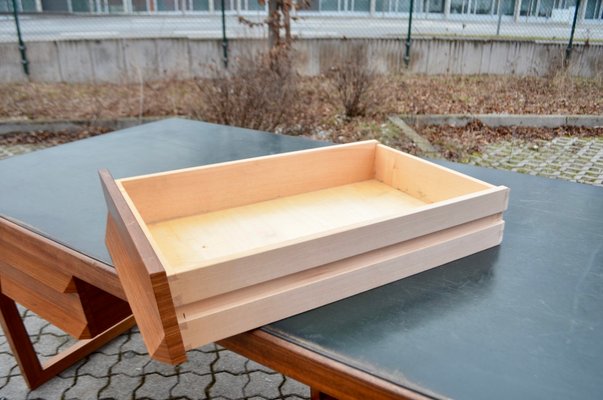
(355,85)
(258,92)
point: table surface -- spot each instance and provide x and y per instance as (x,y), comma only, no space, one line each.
(522,320)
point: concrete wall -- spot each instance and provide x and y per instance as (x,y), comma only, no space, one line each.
(135,60)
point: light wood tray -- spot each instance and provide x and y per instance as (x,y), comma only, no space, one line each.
(205,253)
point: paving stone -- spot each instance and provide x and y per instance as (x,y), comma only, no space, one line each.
(98,365)
(231,362)
(134,343)
(7,363)
(199,362)
(85,387)
(120,387)
(50,345)
(53,389)
(263,384)
(35,325)
(113,347)
(156,367)
(73,370)
(14,389)
(228,385)
(292,387)
(253,366)
(51,329)
(156,387)
(130,364)
(191,386)
(574,159)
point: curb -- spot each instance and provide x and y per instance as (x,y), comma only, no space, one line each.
(72,126)
(496,120)
(422,143)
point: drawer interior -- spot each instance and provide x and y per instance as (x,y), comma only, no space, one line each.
(207,238)
(203,216)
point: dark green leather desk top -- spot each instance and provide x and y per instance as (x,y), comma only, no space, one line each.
(524,320)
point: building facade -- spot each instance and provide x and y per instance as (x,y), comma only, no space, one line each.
(554,10)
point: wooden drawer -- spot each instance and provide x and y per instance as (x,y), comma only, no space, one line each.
(205,253)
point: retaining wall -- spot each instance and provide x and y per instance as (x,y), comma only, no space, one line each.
(135,60)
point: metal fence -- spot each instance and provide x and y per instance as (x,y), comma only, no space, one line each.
(514,19)
(565,21)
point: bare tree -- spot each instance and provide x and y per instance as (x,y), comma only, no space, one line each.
(278,20)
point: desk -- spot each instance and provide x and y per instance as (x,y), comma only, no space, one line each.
(522,320)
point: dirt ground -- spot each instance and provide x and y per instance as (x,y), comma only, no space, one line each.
(404,94)
(320,113)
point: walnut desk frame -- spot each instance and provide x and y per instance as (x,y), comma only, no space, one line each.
(522,320)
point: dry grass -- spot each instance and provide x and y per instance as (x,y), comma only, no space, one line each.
(316,110)
(407,94)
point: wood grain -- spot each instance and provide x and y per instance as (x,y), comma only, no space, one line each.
(421,179)
(205,239)
(143,278)
(83,312)
(52,263)
(217,187)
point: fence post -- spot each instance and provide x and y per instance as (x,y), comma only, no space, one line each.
(224,39)
(22,48)
(499,18)
(408,42)
(568,51)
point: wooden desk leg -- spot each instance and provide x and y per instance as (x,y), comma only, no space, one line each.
(34,372)
(316,394)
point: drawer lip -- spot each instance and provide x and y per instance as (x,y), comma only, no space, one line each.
(454,200)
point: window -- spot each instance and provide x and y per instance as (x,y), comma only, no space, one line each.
(594,9)
(395,6)
(255,5)
(361,5)
(218,5)
(329,5)
(28,5)
(139,5)
(434,6)
(55,5)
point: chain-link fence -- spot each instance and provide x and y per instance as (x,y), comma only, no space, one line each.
(508,19)
(561,21)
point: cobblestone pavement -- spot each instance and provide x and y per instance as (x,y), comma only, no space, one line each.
(570,158)
(123,370)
